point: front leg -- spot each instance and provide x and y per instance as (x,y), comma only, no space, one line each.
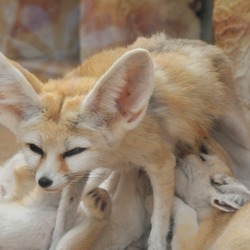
(162,180)
(67,210)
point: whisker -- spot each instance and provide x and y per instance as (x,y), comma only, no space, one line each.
(88,176)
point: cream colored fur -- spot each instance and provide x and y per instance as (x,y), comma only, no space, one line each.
(28,223)
(236,235)
(128,220)
(186,225)
(16,179)
(212,196)
(214,207)
(124,107)
(93,228)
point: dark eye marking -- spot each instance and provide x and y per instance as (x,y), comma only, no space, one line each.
(73,151)
(202,158)
(34,148)
(203,149)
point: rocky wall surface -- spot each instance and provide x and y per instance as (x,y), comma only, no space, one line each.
(231,25)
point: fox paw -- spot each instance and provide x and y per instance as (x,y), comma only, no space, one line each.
(222,179)
(228,185)
(98,203)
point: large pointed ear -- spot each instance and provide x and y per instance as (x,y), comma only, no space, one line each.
(18,99)
(123,92)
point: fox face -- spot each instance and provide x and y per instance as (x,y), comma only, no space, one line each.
(59,156)
(69,126)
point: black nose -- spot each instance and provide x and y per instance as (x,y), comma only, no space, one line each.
(45,182)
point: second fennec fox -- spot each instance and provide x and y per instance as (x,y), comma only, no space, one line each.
(205,183)
(123,107)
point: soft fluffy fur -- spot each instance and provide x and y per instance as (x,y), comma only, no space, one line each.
(95,226)
(16,179)
(125,107)
(213,207)
(236,234)
(29,222)
(128,220)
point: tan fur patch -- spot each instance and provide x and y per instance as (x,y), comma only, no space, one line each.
(63,168)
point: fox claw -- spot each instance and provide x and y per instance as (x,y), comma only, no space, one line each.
(228,185)
(98,203)
(222,179)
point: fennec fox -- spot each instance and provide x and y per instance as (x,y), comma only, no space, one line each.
(95,226)
(123,107)
(204,181)
(213,207)
(28,223)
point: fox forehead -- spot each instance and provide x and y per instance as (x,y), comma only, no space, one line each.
(64,96)
(50,133)
(60,120)
(61,99)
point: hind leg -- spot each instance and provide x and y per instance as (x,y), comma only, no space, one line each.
(97,206)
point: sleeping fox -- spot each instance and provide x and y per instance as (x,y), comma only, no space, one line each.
(124,107)
(212,224)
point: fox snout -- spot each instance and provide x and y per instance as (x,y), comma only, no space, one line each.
(45,182)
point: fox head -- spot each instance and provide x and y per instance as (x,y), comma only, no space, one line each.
(69,126)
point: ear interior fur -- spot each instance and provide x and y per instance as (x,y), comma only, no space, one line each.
(124,90)
(17,97)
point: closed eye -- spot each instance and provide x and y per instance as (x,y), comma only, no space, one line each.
(34,148)
(202,157)
(203,149)
(73,151)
